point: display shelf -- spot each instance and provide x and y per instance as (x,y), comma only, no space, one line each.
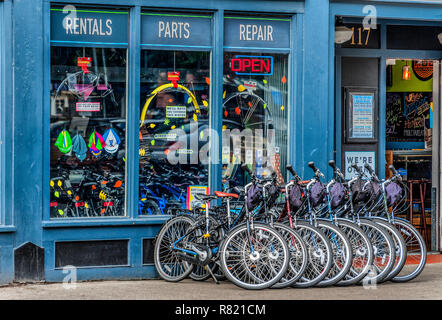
(412,153)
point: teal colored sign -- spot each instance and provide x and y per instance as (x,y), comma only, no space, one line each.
(171,29)
(257,33)
(89,26)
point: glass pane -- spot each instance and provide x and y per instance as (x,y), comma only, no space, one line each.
(88,130)
(254,115)
(414,37)
(174,120)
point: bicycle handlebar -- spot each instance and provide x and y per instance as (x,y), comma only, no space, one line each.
(317,172)
(372,173)
(293,172)
(395,173)
(358,169)
(332,164)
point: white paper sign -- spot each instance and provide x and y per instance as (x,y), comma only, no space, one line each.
(87,106)
(176,111)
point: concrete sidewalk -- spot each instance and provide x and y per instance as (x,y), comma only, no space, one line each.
(427,286)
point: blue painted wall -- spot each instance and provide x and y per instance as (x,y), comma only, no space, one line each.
(316,134)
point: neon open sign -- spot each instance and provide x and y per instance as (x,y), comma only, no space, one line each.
(252,65)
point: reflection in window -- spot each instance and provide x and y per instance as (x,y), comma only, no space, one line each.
(88,131)
(254,115)
(173,124)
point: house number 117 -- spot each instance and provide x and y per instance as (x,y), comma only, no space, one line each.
(358,34)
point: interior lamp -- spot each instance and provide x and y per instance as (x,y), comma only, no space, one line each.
(406,73)
(342,33)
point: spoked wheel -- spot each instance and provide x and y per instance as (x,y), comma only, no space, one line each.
(400,247)
(319,255)
(298,256)
(254,257)
(416,251)
(362,252)
(342,253)
(383,251)
(244,110)
(201,273)
(168,262)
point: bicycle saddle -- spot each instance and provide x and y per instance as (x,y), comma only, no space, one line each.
(225,195)
(205,197)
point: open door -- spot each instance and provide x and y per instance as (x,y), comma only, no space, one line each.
(413,97)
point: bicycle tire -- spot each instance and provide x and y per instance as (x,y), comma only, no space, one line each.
(162,249)
(244,261)
(342,253)
(362,252)
(407,230)
(401,248)
(298,256)
(383,249)
(200,273)
(319,258)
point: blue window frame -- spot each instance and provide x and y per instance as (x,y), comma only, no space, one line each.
(256,99)
(6,205)
(177,45)
(89,48)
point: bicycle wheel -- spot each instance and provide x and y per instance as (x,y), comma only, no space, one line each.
(168,262)
(342,253)
(362,252)
(416,251)
(254,257)
(400,247)
(383,251)
(319,254)
(201,273)
(298,256)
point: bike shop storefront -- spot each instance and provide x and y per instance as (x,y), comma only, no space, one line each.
(144,108)
(387,76)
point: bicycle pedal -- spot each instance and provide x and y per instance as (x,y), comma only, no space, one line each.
(206,235)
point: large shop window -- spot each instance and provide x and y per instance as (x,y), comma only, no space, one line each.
(255,99)
(88,130)
(174,111)
(88,112)
(174,117)
(254,115)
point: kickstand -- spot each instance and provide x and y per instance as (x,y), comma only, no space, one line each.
(211,273)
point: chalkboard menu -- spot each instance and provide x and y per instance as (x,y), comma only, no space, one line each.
(406,115)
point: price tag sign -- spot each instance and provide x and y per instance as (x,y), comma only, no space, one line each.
(87,106)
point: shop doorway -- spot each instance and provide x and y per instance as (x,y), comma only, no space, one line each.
(411,102)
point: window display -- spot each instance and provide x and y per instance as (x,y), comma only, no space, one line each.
(174,117)
(254,115)
(88,130)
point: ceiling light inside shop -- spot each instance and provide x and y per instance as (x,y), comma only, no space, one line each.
(342,34)
(406,73)
(439,36)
